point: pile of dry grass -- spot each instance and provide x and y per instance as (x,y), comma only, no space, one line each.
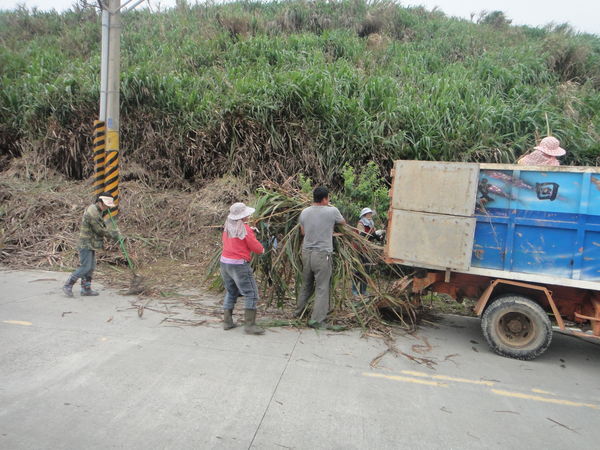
(40,220)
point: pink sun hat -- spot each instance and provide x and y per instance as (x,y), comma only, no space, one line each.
(550,146)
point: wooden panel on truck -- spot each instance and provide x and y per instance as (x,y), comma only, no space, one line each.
(435,187)
(431,240)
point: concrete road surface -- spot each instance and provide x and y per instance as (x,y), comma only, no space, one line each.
(89,373)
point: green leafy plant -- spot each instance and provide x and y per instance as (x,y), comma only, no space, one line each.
(364,188)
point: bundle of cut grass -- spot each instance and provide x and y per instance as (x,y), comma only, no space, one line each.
(279,269)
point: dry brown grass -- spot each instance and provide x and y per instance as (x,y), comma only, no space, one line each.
(170,234)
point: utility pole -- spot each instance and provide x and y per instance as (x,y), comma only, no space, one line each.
(106,129)
(112,83)
(104,59)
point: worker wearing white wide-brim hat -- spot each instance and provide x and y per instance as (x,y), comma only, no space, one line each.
(544,154)
(239,242)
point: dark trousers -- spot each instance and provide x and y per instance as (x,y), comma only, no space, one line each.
(359,284)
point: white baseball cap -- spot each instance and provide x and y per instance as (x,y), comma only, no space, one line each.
(108,201)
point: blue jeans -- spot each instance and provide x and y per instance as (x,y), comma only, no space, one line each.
(238,280)
(87,264)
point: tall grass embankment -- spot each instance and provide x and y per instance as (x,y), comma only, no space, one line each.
(271,89)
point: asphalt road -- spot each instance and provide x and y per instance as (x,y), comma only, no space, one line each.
(90,373)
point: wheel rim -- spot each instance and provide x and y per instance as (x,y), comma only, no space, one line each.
(515,329)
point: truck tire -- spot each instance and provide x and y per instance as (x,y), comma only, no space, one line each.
(516,327)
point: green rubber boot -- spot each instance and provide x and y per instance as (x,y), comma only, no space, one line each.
(228,319)
(250,326)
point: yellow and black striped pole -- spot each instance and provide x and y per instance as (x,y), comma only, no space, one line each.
(99,156)
(109,93)
(111,168)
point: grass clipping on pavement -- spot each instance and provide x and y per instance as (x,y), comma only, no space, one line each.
(279,269)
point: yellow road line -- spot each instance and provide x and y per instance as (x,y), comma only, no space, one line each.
(17,322)
(540,391)
(405,379)
(429,380)
(537,398)
(448,378)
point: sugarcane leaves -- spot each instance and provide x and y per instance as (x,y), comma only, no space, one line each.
(279,269)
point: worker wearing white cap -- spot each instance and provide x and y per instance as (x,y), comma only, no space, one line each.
(366,228)
(91,238)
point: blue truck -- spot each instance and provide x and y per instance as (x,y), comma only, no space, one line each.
(523,241)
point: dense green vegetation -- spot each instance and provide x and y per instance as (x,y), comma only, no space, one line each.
(274,89)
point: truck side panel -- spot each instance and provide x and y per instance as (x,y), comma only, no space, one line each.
(538,222)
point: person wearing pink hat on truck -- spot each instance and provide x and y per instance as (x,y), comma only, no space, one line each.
(544,154)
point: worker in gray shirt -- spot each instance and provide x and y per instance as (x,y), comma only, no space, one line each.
(316,224)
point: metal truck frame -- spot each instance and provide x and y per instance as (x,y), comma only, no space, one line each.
(523,241)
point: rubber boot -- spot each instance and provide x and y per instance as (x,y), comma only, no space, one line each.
(228,319)
(68,287)
(250,326)
(86,289)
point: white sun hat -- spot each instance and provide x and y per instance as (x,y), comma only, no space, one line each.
(238,211)
(365,211)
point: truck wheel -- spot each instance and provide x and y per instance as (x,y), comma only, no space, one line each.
(516,327)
